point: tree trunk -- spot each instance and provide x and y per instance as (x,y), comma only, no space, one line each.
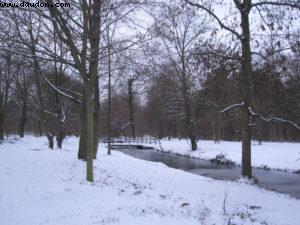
(39,131)
(83,135)
(189,122)
(191,131)
(216,129)
(50,141)
(59,140)
(89,103)
(60,135)
(213,126)
(1,124)
(246,73)
(23,119)
(246,145)
(109,98)
(59,75)
(190,125)
(82,154)
(131,107)
(4,97)
(96,117)
(40,99)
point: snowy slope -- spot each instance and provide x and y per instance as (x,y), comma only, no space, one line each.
(275,155)
(42,186)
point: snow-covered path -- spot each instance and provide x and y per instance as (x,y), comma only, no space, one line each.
(41,186)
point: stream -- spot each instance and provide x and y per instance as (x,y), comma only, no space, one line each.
(283,182)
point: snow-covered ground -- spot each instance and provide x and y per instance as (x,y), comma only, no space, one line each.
(42,186)
(273,155)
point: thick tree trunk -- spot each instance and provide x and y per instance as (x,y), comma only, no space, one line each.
(246,73)
(83,125)
(96,117)
(50,141)
(89,130)
(246,145)
(59,140)
(83,135)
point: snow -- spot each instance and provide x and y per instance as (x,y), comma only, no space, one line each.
(274,155)
(43,186)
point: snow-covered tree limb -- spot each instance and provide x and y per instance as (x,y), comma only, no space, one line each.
(59,91)
(273,118)
(231,107)
(292,4)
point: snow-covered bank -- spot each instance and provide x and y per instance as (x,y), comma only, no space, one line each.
(42,186)
(273,155)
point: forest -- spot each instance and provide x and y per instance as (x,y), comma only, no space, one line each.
(192,71)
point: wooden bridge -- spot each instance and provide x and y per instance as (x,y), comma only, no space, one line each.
(129,140)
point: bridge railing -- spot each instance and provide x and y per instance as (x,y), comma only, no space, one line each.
(129,140)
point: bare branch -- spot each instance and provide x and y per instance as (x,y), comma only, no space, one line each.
(231,107)
(292,4)
(59,91)
(273,118)
(222,25)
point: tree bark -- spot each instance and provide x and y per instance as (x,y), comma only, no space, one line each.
(89,103)
(83,124)
(96,117)
(83,135)
(246,73)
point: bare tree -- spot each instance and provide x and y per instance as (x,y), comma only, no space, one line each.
(244,8)
(6,80)
(178,33)
(23,83)
(86,58)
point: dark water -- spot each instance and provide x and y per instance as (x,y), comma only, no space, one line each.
(283,182)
